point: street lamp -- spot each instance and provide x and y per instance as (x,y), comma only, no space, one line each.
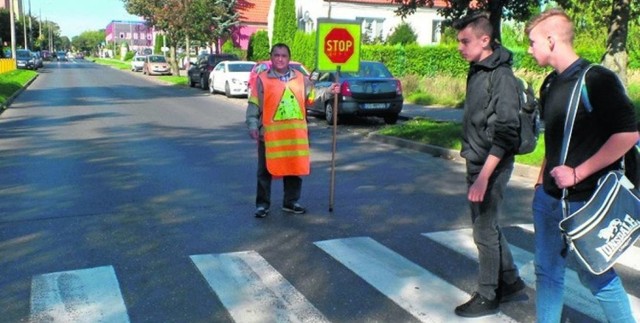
(13,30)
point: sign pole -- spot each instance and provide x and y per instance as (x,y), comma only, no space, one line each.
(334,144)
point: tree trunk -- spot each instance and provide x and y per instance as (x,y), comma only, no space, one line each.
(495,12)
(616,57)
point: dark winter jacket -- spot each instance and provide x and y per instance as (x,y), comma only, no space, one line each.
(490,122)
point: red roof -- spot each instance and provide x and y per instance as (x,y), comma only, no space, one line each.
(253,11)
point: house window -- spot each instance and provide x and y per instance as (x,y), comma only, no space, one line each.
(436,31)
(371,27)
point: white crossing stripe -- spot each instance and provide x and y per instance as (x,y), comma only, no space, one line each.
(630,258)
(252,290)
(424,295)
(85,295)
(576,295)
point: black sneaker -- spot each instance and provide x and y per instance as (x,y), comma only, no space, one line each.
(294,208)
(262,212)
(506,292)
(478,306)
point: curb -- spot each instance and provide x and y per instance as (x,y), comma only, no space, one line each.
(526,171)
(6,104)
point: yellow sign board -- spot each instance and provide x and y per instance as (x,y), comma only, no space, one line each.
(338,43)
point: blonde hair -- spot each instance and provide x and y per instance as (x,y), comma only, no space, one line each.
(562,25)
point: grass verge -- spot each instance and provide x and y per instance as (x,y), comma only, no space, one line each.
(447,135)
(11,82)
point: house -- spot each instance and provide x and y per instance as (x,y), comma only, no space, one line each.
(378,18)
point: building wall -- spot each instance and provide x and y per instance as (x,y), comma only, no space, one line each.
(135,33)
(380,18)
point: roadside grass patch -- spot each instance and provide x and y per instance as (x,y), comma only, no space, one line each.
(175,80)
(448,134)
(12,81)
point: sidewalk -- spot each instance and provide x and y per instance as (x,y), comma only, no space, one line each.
(410,111)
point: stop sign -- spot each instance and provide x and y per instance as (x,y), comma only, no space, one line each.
(339,45)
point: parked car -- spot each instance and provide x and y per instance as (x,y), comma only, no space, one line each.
(156,64)
(265,65)
(199,72)
(137,63)
(231,77)
(25,59)
(38,59)
(373,91)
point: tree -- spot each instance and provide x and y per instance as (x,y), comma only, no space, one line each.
(88,41)
(215,20)
(402,34)
(285,22)
(518,10)
(258,46)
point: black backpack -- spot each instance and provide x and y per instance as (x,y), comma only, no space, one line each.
(529,115)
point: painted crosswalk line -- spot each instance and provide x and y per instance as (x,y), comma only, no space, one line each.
(424,295)
(252,290)
(85,295)
(576,296)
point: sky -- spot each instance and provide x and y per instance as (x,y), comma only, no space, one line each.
(77,16)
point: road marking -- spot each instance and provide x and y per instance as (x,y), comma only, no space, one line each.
(630,258)
(576,295)
(252,290)
(85,295)
(424,295)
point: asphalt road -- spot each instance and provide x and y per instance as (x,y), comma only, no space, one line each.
(124,199)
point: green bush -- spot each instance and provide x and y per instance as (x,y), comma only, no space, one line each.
(229,48)
(403,34)
(130,54)
(301,49)
(258,49)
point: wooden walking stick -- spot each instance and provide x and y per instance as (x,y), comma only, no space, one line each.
(333,150)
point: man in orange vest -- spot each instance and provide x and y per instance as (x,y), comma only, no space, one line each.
(276,117)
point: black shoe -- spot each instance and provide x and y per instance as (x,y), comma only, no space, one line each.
(506,291)
(478,306)
(262,212)
(294,208)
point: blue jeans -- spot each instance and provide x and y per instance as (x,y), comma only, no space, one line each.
(550,267)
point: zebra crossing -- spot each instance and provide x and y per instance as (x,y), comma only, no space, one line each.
(251,290)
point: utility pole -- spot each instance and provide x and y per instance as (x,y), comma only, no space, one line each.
(12,22)
(24,25)
(30,28)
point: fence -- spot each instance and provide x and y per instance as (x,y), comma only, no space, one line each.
(7,65)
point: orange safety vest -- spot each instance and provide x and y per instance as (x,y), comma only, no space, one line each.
(284,119)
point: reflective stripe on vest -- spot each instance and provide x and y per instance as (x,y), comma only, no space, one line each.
(285,129)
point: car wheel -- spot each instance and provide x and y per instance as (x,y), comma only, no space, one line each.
(191,82)
(211,89)
(203,83)
(227,90)
(391,119)
(328,112)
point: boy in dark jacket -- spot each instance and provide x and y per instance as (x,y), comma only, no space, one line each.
(489,140)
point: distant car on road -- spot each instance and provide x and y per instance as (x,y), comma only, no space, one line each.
(199,72)
(156,65)
(25,59)
(137,63)
(231,77)
(265,65)
(372,91)
(61,56)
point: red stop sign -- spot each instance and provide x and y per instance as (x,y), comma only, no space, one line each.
(338,45)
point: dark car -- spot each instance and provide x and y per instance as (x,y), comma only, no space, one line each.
(373,91)
(199,72)
(25,59)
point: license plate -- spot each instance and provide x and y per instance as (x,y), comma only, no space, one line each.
(375,106)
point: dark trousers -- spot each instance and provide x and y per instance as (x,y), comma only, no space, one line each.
(495,260)
(292,184)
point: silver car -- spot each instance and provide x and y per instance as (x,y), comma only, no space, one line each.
(137,63)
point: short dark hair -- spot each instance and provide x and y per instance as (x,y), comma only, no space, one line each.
(280,45)
(479,22)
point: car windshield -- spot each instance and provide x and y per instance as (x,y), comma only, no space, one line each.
(369,69)
(23,54)
(157,59)
(139,59)
(240,67)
